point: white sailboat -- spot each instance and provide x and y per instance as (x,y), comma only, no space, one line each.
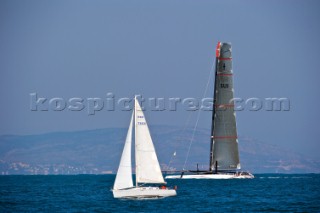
(148,170)
(224,153)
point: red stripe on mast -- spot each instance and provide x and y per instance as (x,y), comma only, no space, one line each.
(225,59)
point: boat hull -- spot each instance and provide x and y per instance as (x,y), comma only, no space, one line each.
(144,193)
(212,176)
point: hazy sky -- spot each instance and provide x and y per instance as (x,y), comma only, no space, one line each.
(87,49)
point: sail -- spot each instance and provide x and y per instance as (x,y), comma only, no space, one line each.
(225,153)
(147,164)
(124,174)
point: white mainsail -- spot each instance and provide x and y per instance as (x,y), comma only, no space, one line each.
(147,164)
(124,174)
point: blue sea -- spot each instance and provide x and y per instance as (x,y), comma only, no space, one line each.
(91,193)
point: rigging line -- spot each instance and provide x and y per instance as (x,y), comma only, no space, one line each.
(198,116)
(182,130)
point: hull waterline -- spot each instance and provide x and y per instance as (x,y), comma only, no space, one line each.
(212,176)
(144,193)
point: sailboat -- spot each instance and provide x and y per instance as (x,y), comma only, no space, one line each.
(148,172)
(224,153)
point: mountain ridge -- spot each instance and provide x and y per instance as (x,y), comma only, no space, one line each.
(98,152)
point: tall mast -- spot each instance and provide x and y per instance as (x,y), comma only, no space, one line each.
(135,136)
(214,107)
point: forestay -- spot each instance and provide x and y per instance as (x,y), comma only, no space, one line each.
(124,174)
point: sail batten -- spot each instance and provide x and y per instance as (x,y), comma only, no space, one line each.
(224,154)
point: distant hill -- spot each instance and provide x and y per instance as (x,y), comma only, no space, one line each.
(98,151)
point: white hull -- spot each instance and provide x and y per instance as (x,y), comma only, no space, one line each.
(143,193)
(212,176)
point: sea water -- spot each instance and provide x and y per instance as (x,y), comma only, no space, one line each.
(91,193)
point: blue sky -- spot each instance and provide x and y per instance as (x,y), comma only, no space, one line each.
(160,49)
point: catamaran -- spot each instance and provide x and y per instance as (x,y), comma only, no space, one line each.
(148,173)
(224,153)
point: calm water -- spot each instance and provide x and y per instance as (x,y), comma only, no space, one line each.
(265,193)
